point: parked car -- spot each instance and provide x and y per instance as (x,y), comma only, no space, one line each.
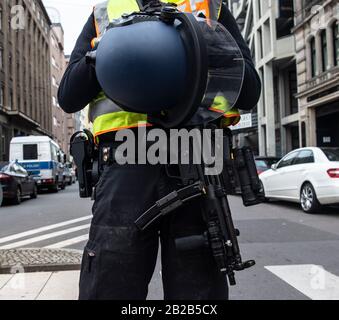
(265,163)
(74,176)
(69,174)
(309,176)
(17,183)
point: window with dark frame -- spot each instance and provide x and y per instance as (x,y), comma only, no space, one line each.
(335,32)
(313,57)
(324,52)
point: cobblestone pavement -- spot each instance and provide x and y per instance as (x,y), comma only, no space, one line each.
(38,260)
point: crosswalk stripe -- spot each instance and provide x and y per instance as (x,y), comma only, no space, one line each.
(311,280)
(68,242)
(44,237)
(43,229)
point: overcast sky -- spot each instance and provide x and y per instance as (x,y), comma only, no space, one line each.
(72,14)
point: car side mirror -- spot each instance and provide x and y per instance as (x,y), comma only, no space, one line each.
(274,167)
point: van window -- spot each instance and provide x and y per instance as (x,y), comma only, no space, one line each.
(54,153)
(30,151)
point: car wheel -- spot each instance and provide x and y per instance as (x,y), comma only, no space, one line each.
(308,199)
(55,188)
(17,198)
(34,194)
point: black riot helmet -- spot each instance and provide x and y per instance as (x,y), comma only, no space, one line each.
(168,64)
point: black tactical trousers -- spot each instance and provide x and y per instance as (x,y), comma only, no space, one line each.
(119,260)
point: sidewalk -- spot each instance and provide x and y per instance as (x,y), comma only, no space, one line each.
(61,285)
(39,274)
(45,274)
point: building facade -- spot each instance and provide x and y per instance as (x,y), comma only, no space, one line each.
(25,86)
(58,67)
(317,48)
(295,47)
(267,27)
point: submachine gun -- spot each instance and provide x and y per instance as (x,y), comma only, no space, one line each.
(221,235)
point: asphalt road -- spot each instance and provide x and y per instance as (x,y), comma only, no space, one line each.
(297,255)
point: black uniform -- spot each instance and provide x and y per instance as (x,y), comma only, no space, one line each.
(119,260)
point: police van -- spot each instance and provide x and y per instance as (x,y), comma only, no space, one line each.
(42,158)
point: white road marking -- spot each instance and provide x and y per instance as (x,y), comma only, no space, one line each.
(68,242)
(311,280)
(44,237)
(42,229)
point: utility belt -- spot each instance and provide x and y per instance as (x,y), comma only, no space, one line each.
(239,172)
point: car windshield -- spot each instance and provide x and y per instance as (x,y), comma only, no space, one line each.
(4,169)
(332,154)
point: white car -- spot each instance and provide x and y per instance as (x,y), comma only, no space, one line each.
(309,176)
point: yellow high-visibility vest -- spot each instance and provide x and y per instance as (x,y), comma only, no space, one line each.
(105,115)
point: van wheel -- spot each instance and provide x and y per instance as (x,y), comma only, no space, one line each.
(308,199)
(17,198)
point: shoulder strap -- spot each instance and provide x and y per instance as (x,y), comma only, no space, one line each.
(101,19)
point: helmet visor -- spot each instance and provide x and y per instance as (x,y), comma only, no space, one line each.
(226,65)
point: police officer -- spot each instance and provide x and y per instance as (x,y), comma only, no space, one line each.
(119,261)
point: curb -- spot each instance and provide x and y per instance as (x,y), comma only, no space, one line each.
(45,260)
(41,268)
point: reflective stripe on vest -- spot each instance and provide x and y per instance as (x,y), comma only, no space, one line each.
(116,121)
(105,115)
(231,116)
